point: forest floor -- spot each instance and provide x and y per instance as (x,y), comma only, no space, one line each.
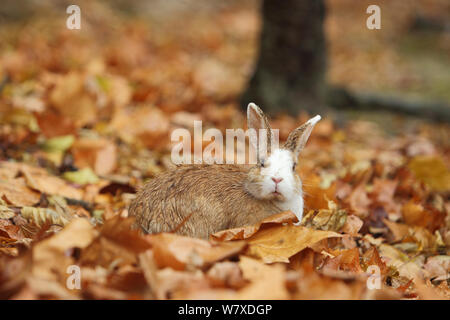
(85,120)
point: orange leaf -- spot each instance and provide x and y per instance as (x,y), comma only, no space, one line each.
(171,250)
(279,243)
(247,231)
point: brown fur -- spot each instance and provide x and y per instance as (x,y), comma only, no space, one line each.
(186,200)
(294,142)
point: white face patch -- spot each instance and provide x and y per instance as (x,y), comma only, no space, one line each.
(278,166)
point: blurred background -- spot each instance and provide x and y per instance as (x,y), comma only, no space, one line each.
(136,70)
(185,54)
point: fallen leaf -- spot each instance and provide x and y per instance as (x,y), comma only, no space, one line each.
(178,252)
(247,231)
(167,282)
(49,256)
(117,244)
(359,201)
(344,260)
(41,181)
(98,154)
(266,281)
(330,219)
(372,258)
(83,176)
(279,243)
(431,170)
(13,273)
(42,215)
(16,192)
(352,225)
(58,144)
(71,99)
(226,274)
(438,267)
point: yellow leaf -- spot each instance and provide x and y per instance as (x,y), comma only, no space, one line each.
(83,176)
(432,171)
(279,243)
(61,143)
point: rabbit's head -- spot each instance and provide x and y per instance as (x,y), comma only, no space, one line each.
(274,176)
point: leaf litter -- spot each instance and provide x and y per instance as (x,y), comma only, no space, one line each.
(372,198)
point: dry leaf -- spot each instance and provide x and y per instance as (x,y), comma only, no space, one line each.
(438,267)
(432,171)
(70,98)
(50,258)
(178,252)
(279,243)
(16,192)
(247,231)
(40,216)
(99,154)
(266,281)
(352,225)
(45,183)
(116,244)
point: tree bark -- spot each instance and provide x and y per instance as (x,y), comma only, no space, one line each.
(290,72)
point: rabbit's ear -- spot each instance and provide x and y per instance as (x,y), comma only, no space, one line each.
(257,120)
(297,139)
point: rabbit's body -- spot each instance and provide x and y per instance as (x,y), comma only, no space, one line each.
(198,200)
(191,196)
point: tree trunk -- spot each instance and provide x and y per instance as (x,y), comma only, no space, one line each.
(290,73)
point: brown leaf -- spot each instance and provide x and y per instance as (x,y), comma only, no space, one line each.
(178,252)
(10,230)
(49,255)
(149,125)
(372,257)
(345,260)
(117,242)
(315,196)
(247,231)
(438,267)
(70,98)
(359,201)
(266,281)
(352,225)
(279,243)
(13,273)
(383,191)
(45,183)
(226,274)
(47,120)
(16,192)
(331,219)
(431,170)
(98,154)
(167,282)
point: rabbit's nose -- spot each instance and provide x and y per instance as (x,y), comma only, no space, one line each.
(277,180)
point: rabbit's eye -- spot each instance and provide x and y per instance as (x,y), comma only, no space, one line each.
(293,166)
(262,163)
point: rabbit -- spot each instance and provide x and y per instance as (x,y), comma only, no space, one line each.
(199,200)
